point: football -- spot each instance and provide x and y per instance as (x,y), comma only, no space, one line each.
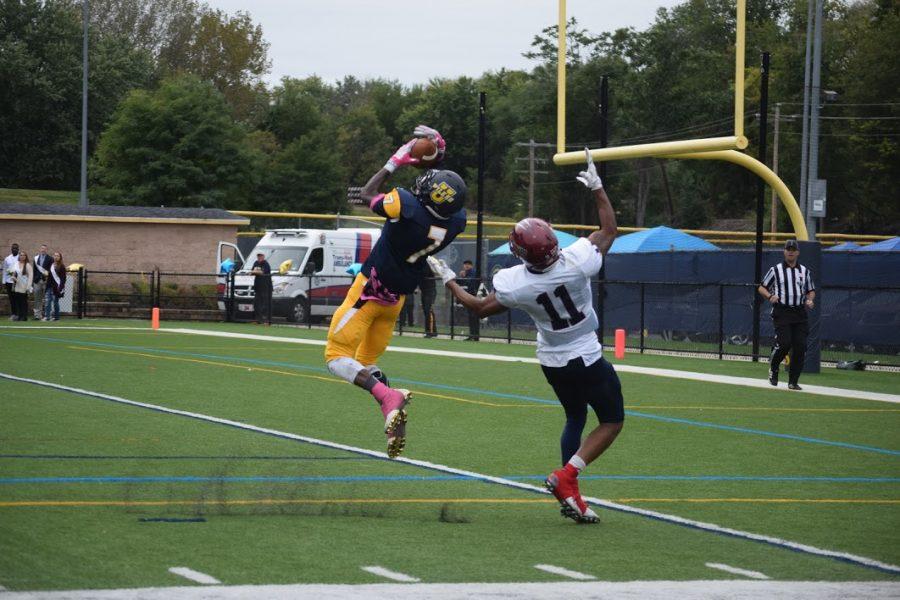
(426,151)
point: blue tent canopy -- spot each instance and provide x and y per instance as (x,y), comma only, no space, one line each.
(564,239)
(659,239)
(844,247)
(891,245)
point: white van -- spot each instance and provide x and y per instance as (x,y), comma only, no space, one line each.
(309,270)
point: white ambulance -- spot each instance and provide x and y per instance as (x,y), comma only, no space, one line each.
(309,270)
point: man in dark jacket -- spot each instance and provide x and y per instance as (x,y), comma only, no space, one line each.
(42,262)
(262,289)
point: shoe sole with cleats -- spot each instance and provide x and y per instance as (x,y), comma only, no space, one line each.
(396,442)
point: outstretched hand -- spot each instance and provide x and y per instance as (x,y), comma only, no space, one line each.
(434,135)
(401,157)
(589,177)
(440,269)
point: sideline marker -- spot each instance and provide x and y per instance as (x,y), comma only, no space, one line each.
(154,318)
(620,344)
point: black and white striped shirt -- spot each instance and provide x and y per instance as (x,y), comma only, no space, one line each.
(790,284)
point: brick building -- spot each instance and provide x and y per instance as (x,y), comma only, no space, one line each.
(121,238)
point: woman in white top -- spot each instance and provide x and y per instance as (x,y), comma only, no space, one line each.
(23,277)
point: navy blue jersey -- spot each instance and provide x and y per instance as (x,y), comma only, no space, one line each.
(410,234)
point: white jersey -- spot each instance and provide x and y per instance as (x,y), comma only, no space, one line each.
(560,303)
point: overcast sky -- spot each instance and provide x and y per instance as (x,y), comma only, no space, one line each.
(415,40)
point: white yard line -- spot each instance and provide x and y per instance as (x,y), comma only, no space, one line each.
(565,572)
(690,523)
(761,383)
(736,571)
(392,575)
(594,590)
(193,575)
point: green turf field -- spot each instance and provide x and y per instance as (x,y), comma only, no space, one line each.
(97,494)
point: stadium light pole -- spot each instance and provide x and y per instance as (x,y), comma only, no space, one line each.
(479,233)
(85,12)
(760,194)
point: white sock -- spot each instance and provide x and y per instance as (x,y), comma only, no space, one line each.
(345,367)
(577,462)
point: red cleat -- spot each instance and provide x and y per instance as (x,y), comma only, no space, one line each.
(564,486)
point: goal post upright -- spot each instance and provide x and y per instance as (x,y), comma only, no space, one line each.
(720,148)
(561,80)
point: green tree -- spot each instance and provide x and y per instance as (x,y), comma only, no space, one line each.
(176,146)
(40,90)
(305,177)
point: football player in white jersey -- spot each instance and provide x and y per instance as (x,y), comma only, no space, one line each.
(553,286)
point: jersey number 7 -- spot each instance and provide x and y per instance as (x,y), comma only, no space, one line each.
(557,322)
(437,234)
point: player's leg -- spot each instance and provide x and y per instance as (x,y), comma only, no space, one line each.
(574,407)
(799,333)
(596,385)
(781,349)
(393,401)
(348,328)
(603,391)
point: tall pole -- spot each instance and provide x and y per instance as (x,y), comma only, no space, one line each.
(760,193)
(604,121)
(773,218)
(815,100)
(83,199)
(530,178)
(479,237)
(804,143)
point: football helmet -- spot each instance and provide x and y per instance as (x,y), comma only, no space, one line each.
(534,241)
(442,192)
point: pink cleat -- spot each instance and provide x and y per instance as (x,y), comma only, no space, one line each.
(392,407)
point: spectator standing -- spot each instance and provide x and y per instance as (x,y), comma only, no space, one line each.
(56,287)
(42,264)
(789,287)
(429,293)
(469,282)
(407,314)
(23,275)
(9,265)
(262,289)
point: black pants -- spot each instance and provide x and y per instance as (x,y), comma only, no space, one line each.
(578,386)
(791,330)
(20,305)
(9,295)
(407,315)
(262,302)
(428,296)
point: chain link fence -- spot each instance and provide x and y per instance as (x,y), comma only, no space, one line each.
(712,319)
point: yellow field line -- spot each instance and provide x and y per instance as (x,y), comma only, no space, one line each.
(292,374)
(498,501)
(763,500)
(789,409)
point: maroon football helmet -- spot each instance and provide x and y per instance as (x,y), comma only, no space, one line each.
(534,242)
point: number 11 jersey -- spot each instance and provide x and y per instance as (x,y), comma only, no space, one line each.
(559,301)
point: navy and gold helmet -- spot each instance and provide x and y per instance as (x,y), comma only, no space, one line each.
(442,192)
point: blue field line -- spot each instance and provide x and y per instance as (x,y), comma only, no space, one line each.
(389,478)
(233,359)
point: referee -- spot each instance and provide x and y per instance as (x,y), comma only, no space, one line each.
(789,287)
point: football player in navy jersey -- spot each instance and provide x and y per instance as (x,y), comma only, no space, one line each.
(554,287)
(420,222)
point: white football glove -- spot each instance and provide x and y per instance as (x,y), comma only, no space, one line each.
(590,178)
(440,269)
